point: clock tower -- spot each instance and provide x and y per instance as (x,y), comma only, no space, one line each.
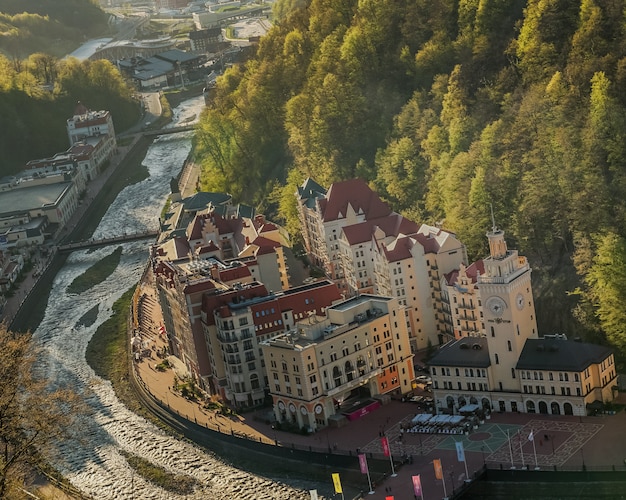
(508,308)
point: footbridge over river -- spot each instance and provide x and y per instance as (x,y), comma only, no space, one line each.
(170,130)
(103,242)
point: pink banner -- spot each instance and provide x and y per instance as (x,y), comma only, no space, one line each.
(417,486)
(363,463)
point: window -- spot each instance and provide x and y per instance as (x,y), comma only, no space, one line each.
(508,344)
(497,359)
(513,372)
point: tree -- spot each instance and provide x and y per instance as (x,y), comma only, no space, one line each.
(607,287)
(33,416)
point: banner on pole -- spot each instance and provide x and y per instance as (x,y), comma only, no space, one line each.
(460,451)
(385,444)
(531,436)
(313,494)
(363,463)
(389,497)
(417,485)
(438,468)
(337,483)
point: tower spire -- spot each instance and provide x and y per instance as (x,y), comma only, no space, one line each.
(494,228)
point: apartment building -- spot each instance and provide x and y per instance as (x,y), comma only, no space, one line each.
(339,366)
(94,131)
(238,320)
(324,214)
(367,248)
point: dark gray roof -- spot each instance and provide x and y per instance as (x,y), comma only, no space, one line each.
(310,191)
(468,351)
(560,355)
(245,211)
(202,200)
(176,56)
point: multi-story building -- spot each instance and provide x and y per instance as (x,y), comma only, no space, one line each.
(340,365)
(498,360)
(410,267)
(236,321)
(464,311)
(203,41)
(86,124)
(324,214)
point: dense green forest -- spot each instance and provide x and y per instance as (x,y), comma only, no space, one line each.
(445,107)
(55,27)
(39,94)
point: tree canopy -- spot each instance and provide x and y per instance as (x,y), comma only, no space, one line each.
(444,107)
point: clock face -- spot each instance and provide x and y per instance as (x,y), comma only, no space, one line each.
(303,410)
(281,405)
(519,301)
(292,408)
(496,305)
(318,409)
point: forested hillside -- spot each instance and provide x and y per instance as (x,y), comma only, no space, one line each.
(39,94)
(55,27)
(447,106)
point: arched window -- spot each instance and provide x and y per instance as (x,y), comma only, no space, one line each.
(530,407)
(337,376)
(254,381)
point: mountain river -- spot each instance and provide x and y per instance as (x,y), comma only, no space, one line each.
(94,464)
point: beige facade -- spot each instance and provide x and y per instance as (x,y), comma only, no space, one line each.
(328,366)
(498,361)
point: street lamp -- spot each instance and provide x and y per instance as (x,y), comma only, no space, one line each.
(482,449)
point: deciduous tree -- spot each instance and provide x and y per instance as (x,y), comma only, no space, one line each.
(33,416)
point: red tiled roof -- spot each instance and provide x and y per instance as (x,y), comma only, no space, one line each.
(471,271)
(80,109)
(194,230)
(399,249)
(234,273)
(81,148)
(210,247)
(265,245)
(211,302)
(354,192)
(300,301)
(392,225)
(431,245)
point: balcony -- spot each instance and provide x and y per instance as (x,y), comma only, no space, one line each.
(354,383)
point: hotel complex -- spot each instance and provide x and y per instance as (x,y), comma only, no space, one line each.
(332,350)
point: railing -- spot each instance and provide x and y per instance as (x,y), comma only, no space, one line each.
(93,243)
